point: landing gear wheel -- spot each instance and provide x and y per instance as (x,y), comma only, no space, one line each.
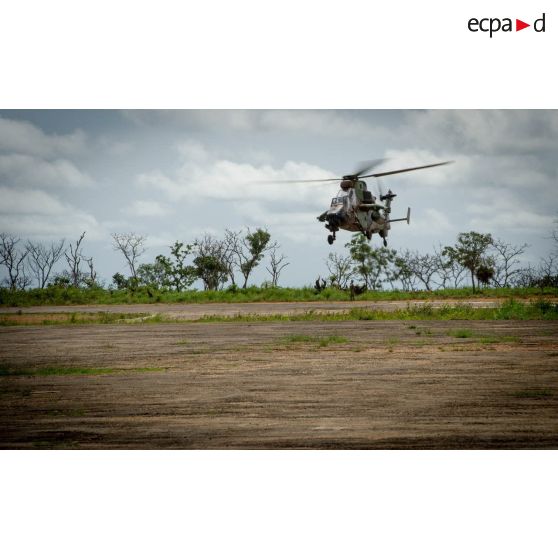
(330,238)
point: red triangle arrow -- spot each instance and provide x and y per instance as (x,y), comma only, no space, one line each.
(519,25)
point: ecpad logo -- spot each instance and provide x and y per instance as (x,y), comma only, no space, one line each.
(493,25)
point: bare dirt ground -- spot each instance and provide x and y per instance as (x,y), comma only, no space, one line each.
(392,384)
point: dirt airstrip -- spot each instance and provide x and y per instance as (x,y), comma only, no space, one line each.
(309,384)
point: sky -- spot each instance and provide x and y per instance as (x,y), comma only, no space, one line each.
(175,175)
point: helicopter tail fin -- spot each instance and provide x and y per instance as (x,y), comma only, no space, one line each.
(408,218)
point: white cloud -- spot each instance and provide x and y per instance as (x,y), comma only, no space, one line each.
(432,221)
(330,123)
(192,150)
(30,172)
(34,213)
(116,148)
(22,137)
(229,180)
(317,122)
(485,132)
(147,208)
(507,213)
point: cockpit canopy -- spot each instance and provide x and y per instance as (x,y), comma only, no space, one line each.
(340,199)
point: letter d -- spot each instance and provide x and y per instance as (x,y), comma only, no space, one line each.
(536,24)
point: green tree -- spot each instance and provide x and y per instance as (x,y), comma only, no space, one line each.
(250,250)
(210,262)
(470,252)
(152,275)
(484,274)
(176,274)
(211,270)
(371,264)
(120,282)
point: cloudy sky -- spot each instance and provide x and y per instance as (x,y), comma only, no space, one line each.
(173,175)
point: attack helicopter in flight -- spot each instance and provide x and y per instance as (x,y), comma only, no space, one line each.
(356,209)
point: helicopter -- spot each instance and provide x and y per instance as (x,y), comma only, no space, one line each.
(356,209)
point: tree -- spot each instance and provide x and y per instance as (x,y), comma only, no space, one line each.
(14,261)
(152,275)
(250,250)
(230,248)
(210,264)
(484,274)
(340,269)
(120,282)
(42,259)
(506,262)
(132,247)
(91,279)
(370,263)
(403,271)
(547,273)
(74,256)
(424,267)
(177,274)
(470,252)
(449,269)
(276,265)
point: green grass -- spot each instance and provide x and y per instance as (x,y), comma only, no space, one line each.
(71,295)
(462,333)
(484,339)
(75,318)
(70,371)
(320,341)
(509,310)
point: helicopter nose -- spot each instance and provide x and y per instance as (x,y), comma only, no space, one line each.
(335,218)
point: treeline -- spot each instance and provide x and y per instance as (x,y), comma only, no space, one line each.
(229,262)
(475,259)
(214,261)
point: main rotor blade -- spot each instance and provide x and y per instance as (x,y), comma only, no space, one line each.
(365,166)
(376,175)
(298,181)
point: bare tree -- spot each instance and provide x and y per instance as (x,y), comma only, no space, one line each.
(450,271)
(402,271)
(506,262)
(276,265)
(74,256)
(424,267)
(92,278)
(132,247)
(340,269)
(555,236)
(231,246)
(14,261)
(42,259)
